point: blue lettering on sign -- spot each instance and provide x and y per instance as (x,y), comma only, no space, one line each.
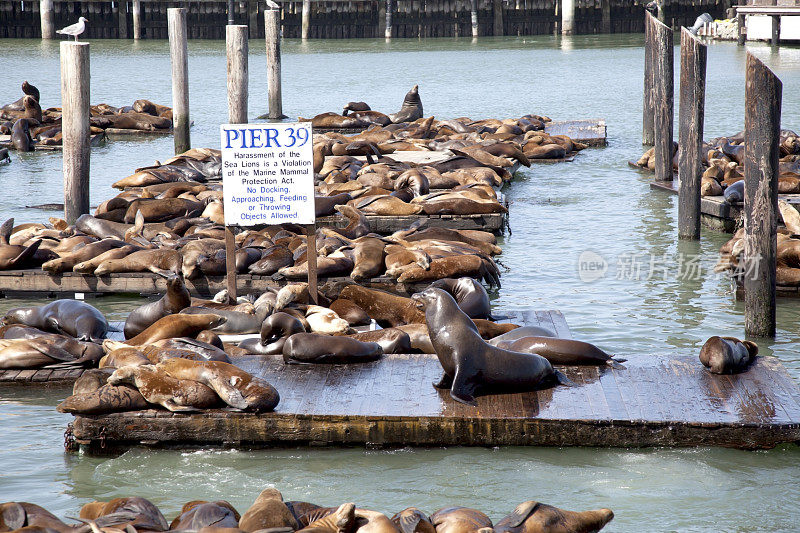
(265,137)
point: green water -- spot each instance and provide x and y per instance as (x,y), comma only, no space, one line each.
(595,204)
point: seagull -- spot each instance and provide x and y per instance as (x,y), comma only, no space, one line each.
(75,29)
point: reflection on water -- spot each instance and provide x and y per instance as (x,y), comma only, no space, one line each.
(559,211)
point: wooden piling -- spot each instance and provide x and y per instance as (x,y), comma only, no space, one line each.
(776,30)
(690,124)
(122,14)
(497,11)
(230,264)
(389,12)
(605,8)
(762,125)
(136,8)
(305,23)
(311,254)
(740,23)
(567,17)
(75,128)
(474,17)
(46,19)
(648,114)
(176,22)
(272,29)
(663,100)
(237,51)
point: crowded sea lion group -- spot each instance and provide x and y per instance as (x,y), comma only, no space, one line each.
(270,512)
(29,125)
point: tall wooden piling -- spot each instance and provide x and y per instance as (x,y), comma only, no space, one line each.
(567,17)
(762,125)
(663,98)
(237,50)
(272,29)
(179,55)
(136,8)
(690,135)
(648,114)
(305,22)
(776,30)
(231,9)
(75,128)
(605,8)
(122,14)
(497,11)
(46,19)
(474,17)
(389,12)
(740,25)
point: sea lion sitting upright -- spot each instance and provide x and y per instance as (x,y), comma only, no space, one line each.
(21,136)
(535,517)
(470,364)
(71,317)
(411,109)
(268,511)
(728,355)
(174,301)
(470,296)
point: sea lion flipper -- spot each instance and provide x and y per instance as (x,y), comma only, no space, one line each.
(561,379)
(445,382)
(520,514)
(462,390)
(51,351)
(616,363)
(175,408)
(408,522)
(5,230)
(13,515)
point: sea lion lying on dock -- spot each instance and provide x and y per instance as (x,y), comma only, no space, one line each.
(72,317)
(314,348)
(176,395)
(561,351)
(201,514)
(275,331)
(536,517)
(267,512)
(728,355)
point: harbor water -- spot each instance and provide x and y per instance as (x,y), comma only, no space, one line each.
(647,293)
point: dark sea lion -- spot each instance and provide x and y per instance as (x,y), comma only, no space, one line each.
(357,225)
(324,205)
(469,363)
(179,325)
(561,351)
(176,395)
(51,350)
(140,513)
(412,520)
(326,349)
(470,296)
(520,332)
(18,515)
(27,89)
(411,109)
(21,136)
(91,380)
(734,193)
(4,157)
(275,330)
(206,514)
(71,317)
(268,511)
(272,260)
(460,520)
(391,340)
(535,517)
(728,355)
(32,109)
(236,387)
(100,228)
(355,106)
(349,311)
(174,301)
(106,399)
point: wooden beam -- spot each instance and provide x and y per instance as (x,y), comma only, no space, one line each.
(75,128)
(179,56)
(648,114)
(663,98)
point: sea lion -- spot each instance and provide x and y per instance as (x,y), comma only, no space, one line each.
(67,261)
(199,514)
(349,311)
(268,511)
(100,228)
(355,106)
(176,395)
(357,225)
(535,517)
(734,193)
(728,355)
(159,261)
(124,356)
(314,348)
(520,332)
(469,363)
(391,340)
(342,520)
(368,258)
(561,351)
(106,399)
(174,301)
(383,307)
(323,320)
(237,388)
(21,136)
(140,513)
(411,109)
(275,330)
(179,325)
(71,317)
(459,520)
(18,515)
(470,296)
(412,520)
(419,337)
(91,380)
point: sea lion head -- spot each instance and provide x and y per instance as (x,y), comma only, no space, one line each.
(126,374)
(427,297)
(15,316)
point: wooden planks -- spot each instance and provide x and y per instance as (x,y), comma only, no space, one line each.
(384,225)
(42,376)
(653,401)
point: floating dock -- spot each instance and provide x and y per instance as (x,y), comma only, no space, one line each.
(41,376)
(653,401)
(95,140)
(38,282)
(715,212)
(384,225)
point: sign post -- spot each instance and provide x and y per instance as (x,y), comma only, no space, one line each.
(268,178)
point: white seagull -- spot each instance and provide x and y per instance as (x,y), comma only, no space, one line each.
(75,29)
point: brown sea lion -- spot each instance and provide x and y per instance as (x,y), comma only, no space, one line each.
(268,511)
(535,517)
(201,514)
(342,520)
(355,106)
(411,109)
(412,520)
(357,225)
(391,340)
(237,388)
(124,356)
(385,308)
(469,363)
(174,300)
(71,317)
(162,261)
(326,349)
(459,520)
(67,261)
(419,337)
(349,311)
(19,515)
(179,325)
(176,395)
(368,258)
(728,355)
(140,513)
(106,399)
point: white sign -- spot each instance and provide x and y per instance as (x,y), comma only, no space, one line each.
(267,173)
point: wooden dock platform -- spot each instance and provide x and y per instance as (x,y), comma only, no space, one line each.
(715,212)
(384,225)
(39,282)
(653,401)
(41,377)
